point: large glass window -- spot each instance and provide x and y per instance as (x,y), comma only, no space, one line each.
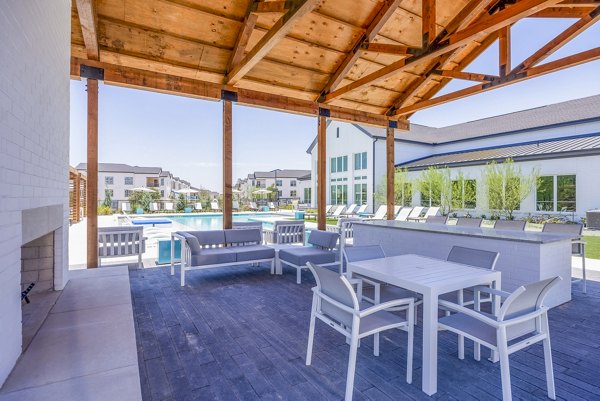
(360,161)
(360,194)
(339,164)
(292,183)
(109,180)
(307,195)
(464,194)
(339,194)
(128,180)
(556,193)
(292,194)
(278,183)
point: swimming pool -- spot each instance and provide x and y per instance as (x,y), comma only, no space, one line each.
(215,221)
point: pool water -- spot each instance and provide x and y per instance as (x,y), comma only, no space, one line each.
(215,221)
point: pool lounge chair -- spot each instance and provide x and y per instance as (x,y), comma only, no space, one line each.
(432,211)
(380,213)
(351,209)
(169,207)
(253,206)
(403,214)
(198,206)
(362,210)
(235,205)
(125,207)
(415,213)
(214,205)
(272,206)
(338,211)
(154,207)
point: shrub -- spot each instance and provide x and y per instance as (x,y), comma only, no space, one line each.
(104,210)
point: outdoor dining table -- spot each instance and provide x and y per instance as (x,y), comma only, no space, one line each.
(429,277)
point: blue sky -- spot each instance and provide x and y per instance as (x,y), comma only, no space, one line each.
(183,135)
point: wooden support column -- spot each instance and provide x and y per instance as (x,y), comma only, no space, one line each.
(504,47)
(227,164)
(390,168)
(92,173)
(321,169)
(77,197)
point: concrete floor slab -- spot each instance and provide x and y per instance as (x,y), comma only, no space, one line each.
(94,293)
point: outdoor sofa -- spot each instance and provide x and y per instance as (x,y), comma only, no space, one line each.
(218,248)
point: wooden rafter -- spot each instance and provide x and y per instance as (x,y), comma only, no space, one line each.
(428,29)
(243,37)
(165,83)
(482,27)
(504,65)
(560,40)
(271,6)
(89,27)
(270,40)
(384,14)
(562,12)
(553,66)
(467,76)
(384,48)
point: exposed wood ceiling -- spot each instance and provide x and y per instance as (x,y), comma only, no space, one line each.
(366,60)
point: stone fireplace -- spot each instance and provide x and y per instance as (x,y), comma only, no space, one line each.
(37,264)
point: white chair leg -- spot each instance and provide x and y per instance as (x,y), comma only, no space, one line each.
(376,344)
(548,359)
(140,261)
(311,333)
(298,275)
(583,266)
(273,266)
(352,361)
(172,256)
(461,339)
(476,345)
(409,352)
(504,365)
(182,273)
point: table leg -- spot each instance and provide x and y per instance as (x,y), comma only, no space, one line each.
(430,332)
(496,303)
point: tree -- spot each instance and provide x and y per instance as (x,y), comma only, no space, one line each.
(107,199)
(273,194)
(181,203)
(142,199)
(402,189)
(435,186)
(507,187)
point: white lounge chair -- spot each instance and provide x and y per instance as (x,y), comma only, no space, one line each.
(337,305)
(214,205)
(272,206)
(522,320)
(432,211)
(154,207)
(380,213)
(198,206)
(350,210)
(328,208)
(125,207)
(253,206)
(403,214)
(415,213)
(235,205)
(361,210)
(338,211)
(169,207)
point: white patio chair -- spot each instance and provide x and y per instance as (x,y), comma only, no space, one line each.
(169,207)
(415,213)
(374,291)
(235,205)
(578,248)
(272,206)
(126,207)
(198,206)
(350,210)
(154,207)
(253,206)
(336,304)
(214,205)
(522,317)
(380,213)
(328,208)
(403,214)
(361,210)
(432,211)
(514,225)
(338,211)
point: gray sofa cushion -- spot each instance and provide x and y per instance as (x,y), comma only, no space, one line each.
(243,235)
(253,252)
(191,240)
(213,256)
(211,237)
(323,239)
(300,255)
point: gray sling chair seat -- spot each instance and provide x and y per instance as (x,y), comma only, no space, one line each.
(336,304)
(522,321)
(514,225)
(436,219)
(320,250)
(578,247)
(374,291)
(469,222)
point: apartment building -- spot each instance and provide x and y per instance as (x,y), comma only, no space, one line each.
(290,184)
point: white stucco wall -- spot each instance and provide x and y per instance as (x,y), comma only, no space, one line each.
(34,143)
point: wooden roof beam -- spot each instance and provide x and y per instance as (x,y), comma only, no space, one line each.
(560,40)
(552,66)
(271,6)
(428,27)
(504,64)
(270,40)
(396,50)
(89,27)
(563,12)
(467,76)
(482,27)
(384,14)
(244,35)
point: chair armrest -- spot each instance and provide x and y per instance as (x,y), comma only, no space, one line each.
(491,291)
(578,241)
(469,312)
(269,236)
(410,302)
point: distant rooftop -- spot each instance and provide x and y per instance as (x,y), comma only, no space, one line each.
(122,168)
(575,146)
(279,174)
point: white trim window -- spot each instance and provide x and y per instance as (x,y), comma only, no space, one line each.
(556,193)
(109,180)
(128,180)
(360,161)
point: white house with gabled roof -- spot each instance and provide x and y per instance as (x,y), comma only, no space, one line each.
(561,141)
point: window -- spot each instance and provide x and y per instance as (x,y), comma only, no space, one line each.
(108,192)
(360,161)
(307,195)
(292,194)
(109,180)
(292,183)
(162,181)
(339,164)
(128,193)
(128,180)
(162,193)
(464,194)
(556,193)
(339,194)
(360,194)
(279,193)
(337,132)
(278,183)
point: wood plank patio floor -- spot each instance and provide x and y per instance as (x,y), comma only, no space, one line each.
(240,334)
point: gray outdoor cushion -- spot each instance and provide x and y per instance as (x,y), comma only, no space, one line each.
(323,239)
(214,256)
(211,237)
(253,252)
(300,255)
(191,240)
(472,326)
(243,235)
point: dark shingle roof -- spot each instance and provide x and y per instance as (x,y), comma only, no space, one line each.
(121,168)
(279,174)
(583,145)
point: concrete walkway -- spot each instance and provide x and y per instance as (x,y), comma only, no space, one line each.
(86,348)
